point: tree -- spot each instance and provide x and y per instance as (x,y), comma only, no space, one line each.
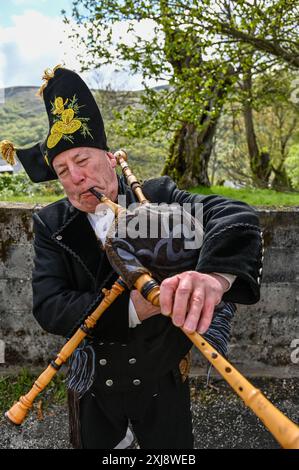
(282,119)
(260,36)
(199,49)
(192,143)
(189,105)
(274,123)
(272,28)
(259,159)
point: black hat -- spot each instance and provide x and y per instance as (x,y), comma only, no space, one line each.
(74,121)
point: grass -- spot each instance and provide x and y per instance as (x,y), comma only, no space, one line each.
(14,386)
(31,199)
(254,197)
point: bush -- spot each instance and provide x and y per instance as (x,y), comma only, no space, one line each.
(19,184)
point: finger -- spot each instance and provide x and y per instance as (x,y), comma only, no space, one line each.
(167,290)
(181,300)
(206,317)
(196,304)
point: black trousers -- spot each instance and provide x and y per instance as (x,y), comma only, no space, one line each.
(160,416)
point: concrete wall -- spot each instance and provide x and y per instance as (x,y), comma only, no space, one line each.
(262,333)
(25,342)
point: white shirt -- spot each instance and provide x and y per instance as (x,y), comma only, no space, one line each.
(101,222)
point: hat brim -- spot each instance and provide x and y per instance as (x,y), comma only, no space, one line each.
(35,164)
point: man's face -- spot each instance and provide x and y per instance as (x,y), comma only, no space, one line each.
(81,168)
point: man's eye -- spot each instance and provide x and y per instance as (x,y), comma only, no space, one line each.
(82,161)
(62,172)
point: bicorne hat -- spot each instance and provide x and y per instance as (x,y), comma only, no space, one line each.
(74,121)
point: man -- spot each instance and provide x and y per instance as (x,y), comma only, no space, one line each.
(128,370)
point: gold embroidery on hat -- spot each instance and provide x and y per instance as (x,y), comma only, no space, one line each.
(46,159)
(69,122)
(48,74)
(59,105)
(8,151)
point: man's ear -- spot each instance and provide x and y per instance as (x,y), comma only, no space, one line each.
(112,159)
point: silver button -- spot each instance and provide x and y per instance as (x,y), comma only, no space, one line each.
(124,344)
(136,382)
(132,360)
(258,280)
(59,237)
(109,383)
(111,344)
(261,270)
(103,362)
(101,344)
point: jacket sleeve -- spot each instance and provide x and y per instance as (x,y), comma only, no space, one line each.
(58,306)
(232,240)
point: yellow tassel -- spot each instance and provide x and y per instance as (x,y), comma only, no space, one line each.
(48,74)
(8,151)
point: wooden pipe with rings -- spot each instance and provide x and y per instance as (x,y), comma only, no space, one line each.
(282,428)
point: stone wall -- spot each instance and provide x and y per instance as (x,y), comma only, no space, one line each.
(262,333)
(25,342)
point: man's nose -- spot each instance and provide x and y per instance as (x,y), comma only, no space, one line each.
(77,175)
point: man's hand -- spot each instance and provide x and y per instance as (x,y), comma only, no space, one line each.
(191,298)
(144,309)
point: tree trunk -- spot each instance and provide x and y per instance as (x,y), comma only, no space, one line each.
(189,155)
(191,148)
(259,161)
(281,181)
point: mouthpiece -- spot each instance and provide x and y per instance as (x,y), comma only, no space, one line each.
(121,155)
(97,194)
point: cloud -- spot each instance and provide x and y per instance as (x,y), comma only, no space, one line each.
(35,42)
(27,2)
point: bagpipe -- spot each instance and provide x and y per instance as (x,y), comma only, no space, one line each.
(143,267)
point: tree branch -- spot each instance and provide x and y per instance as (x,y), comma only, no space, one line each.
(261,44)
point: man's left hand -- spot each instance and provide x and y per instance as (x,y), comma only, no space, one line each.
(191,298)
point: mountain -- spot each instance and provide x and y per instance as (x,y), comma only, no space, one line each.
(23,121)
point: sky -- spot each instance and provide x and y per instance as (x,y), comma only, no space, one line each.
(30,35)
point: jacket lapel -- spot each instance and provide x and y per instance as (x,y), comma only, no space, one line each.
(77,237)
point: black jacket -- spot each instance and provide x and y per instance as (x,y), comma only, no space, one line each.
(70,270)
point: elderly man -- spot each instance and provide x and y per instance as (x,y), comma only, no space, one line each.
(128,370)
